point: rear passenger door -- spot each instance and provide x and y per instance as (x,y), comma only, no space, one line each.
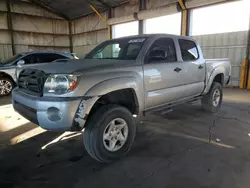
(194,67)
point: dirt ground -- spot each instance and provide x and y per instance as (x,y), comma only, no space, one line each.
(187,148)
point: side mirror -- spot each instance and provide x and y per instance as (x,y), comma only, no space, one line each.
(157,55)
(20,62)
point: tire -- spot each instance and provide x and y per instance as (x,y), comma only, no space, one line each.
(97,139)
(6,86)
(208,101)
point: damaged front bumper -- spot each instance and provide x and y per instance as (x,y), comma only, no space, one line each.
(53,113)
(82,113)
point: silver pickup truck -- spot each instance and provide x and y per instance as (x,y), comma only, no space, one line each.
(119,81)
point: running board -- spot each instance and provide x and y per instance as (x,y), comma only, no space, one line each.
(164,109)
(195,100)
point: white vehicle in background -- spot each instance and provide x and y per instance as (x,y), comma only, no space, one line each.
(8,67)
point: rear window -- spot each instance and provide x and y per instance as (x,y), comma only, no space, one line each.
(189,50)
(50,57)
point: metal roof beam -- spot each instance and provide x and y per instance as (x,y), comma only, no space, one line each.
(103,3)
(182,4)
(48,8)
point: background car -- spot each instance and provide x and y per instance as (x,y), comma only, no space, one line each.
(25,60)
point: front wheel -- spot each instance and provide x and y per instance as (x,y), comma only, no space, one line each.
(6,86)
(212,100)
(109,133)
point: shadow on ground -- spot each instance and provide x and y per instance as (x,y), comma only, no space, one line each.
(5,100)
(186,148)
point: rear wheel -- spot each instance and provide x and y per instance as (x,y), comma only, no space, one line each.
(212,100)
(109,133)
(6,86)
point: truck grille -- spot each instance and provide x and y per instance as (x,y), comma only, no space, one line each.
(32,81)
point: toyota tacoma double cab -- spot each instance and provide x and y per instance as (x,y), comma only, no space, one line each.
(119,81)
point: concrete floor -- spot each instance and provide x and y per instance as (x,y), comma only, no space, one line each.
(186,148)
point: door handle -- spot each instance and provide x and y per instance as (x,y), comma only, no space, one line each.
(177,69)
(200,67)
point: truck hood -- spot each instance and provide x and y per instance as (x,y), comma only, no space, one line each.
(82,65)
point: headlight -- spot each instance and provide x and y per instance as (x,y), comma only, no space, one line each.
(61,83)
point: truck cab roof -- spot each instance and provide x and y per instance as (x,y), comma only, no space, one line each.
(156,36)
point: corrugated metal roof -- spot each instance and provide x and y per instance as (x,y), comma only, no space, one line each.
(72,9)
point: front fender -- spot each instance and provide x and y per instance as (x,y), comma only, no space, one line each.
(211,76)
(9,72)
(115,84)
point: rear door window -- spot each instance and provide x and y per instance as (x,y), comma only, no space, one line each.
(189,50)
(47,58)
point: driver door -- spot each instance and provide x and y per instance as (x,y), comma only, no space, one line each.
(163,77)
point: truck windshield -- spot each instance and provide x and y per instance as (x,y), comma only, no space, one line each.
(120,49)
(11,60)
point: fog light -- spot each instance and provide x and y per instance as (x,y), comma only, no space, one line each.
(54,114)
